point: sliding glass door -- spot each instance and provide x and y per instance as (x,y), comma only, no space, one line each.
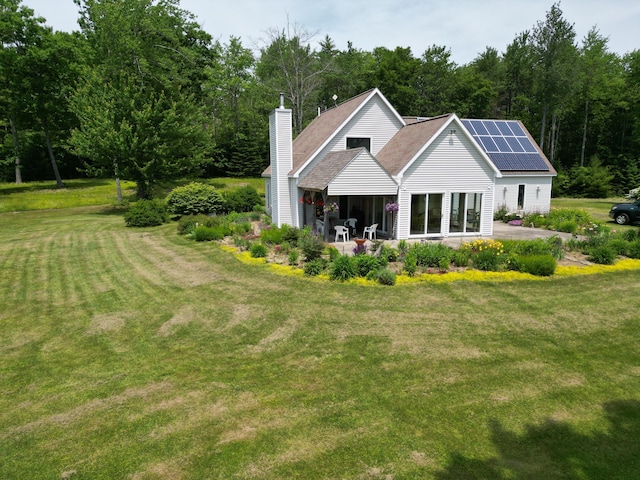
(426,214)
(465,212)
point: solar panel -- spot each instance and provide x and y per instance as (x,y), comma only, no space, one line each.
(479,128)
(514,144)
(504,129)
(489,144)
(515,127)
(527,145)
(491,126)
(506,144)
(502,144)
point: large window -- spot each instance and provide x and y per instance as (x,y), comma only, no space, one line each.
(465,212)
(355,142)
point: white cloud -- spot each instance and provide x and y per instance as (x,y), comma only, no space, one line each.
(466,27)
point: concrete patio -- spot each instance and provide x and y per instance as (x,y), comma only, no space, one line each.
(501,230)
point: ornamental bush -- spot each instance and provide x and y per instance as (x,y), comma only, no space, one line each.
(204,233)
(195,198)
(633,249)
(311,244)
(146,213)
(539,265)
(188,223)
(271,235)
(315,267)
(243,199)
(343,268)
(386,277)
(366,264)
(431,254)
(602,254)
(258,250)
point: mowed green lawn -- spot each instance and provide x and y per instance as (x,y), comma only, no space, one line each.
(137,354)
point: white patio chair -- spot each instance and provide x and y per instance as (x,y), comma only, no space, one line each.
(342,232)
(351,223)
(370,232)
(320,227)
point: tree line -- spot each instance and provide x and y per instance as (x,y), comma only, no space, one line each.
(142,92)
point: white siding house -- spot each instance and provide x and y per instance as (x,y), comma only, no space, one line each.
(446,175)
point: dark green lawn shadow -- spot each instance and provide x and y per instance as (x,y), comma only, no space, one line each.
(556,450)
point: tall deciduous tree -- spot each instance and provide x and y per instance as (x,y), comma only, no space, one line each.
(138,113)
(599,76)
(288,64)
(555,56)
(396,74)
(20,31)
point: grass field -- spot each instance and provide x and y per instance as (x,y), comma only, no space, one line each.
(91,192)
(137,354)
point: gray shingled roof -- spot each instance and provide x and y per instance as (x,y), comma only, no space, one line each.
(320,129)
(328,168)
(405,144)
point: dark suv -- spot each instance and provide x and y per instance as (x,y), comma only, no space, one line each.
(624,213)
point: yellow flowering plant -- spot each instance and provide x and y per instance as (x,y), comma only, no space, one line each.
(485,254)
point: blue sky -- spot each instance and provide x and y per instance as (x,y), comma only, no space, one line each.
(466,27)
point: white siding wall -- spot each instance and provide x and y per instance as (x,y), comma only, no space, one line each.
(534,200)
(280,138)
(363,176)
(450,164)
(374,121)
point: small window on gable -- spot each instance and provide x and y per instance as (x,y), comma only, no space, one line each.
(355,142)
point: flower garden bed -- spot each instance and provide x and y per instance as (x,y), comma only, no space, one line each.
(296,251)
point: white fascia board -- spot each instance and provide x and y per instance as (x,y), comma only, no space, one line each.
(447,124)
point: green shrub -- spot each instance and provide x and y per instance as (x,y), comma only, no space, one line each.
(195,198)
(366,264)
(294,256)
(389,254)
(460,258)
(403,247)
(499,214)
(271,235)
(311,244)
(487,260)
(258,250)
(539,265)
(146,213)
(202,233)
(536,219)
(512,262)
(633,249)
(444,264)
(343,268)
(568,226)
(333,253)
(631,235)
(242,227)
(188,223)
(619,246)
(431,254)
(538,246)
(290,234)
(315,267)
(602,254)
(243,199)
(386,277)
(411,263)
